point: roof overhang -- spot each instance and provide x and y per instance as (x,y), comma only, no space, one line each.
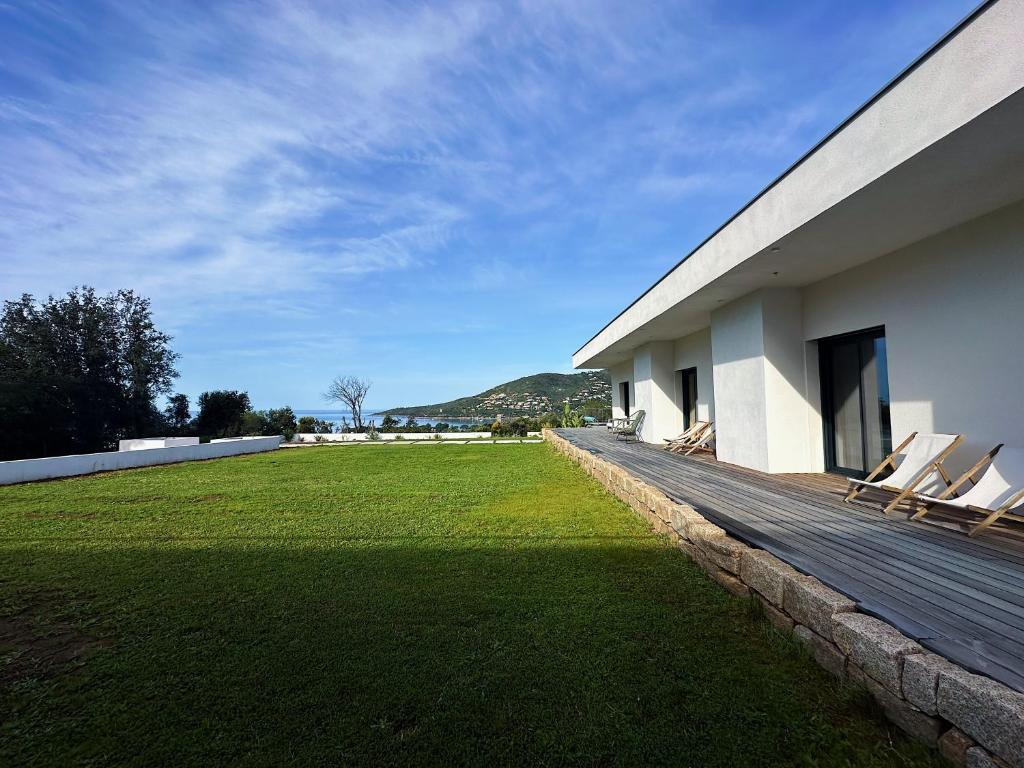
(940,145)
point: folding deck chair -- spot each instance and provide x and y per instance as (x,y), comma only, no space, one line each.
(923,461)
(999,490)
(688,437)
(702,442)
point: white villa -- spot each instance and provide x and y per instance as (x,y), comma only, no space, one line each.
(874,289)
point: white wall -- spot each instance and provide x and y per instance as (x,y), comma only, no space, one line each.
(953,311)
(654,376)
(766,399)
(737,348)
(361,437)
(694,351)
(791,409)
(27,470)
(145,443)
(619,374)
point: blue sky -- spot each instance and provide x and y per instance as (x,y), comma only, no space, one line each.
(437,197)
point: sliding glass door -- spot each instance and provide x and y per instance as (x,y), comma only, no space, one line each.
(855,401)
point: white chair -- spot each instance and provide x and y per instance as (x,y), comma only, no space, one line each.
(922,462)
(688,437)
(998,492)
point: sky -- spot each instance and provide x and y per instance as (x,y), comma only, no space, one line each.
(437,197)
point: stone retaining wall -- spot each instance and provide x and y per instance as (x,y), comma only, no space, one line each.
(972,720)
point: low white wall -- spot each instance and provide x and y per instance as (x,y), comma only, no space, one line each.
(27,470)
(360,437)
(145,443)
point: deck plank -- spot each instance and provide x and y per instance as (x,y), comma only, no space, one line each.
(960,597)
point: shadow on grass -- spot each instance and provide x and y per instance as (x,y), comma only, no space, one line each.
(416,651)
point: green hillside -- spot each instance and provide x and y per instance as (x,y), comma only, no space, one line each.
(528,396)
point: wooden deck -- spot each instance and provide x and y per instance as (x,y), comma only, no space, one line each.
(962,598)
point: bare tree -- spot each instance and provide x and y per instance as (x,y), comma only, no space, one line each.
(351,391)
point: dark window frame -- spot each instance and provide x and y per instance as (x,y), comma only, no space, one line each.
(828,406)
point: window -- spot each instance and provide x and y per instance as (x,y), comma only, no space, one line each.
(855,401)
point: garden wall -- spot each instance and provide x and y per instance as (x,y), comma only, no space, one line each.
(971,719)
(27,470)
(357,437)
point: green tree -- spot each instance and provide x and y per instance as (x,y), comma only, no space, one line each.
(389,423)
(221,412)
(177,413)
(80,372)
(571,418)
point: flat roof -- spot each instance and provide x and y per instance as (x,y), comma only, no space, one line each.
(889,86)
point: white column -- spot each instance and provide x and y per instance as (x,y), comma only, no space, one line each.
(653,379)
(765,388)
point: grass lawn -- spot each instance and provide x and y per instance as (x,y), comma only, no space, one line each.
(465,605)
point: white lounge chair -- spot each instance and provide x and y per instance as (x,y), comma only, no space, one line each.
(703,441)
(923,461)
(688,437)
(998,492)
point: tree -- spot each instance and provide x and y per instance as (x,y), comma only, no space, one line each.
(352,392)
(177,413)
(276,421)
(389,423)
(80,372)
(221,412)
(281,421)
(571,418)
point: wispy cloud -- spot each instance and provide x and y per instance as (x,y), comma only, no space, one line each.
(375,167)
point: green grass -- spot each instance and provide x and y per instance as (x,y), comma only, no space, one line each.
(467,605)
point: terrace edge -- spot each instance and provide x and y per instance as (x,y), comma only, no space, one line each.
(972,720)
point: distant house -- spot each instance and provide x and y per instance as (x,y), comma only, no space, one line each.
(874,289)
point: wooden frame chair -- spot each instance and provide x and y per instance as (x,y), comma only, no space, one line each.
(688,437)
(998,491)
(703,441)
(632,428)
(923,460)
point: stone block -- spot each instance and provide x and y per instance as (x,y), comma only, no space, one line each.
(920,679)
(813,604)
(691,551)
(766,574)
(732,584)
(953,746)
(987,711)
(701,533)
(723,551)
(681,516)
(826,653)
(776,617)
(663,508)
(979,758)
(910,720)
(874,646)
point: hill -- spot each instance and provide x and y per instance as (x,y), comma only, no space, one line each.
(528,396)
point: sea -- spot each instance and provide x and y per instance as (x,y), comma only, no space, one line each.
(336,417)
